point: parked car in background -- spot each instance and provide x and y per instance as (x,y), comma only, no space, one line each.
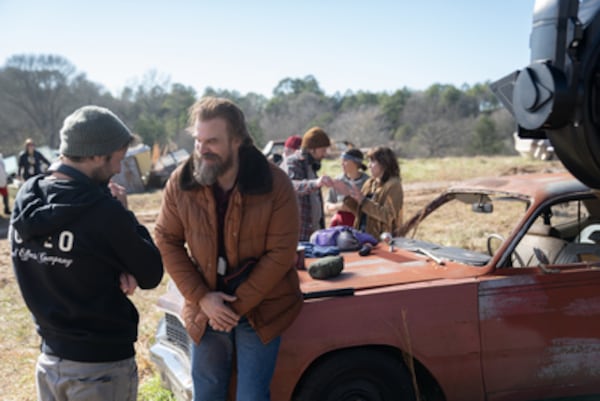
(492,293)
(273,150)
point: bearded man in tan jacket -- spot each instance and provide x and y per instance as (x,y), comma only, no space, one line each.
(228,232)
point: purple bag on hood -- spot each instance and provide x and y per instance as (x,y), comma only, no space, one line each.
(329,236)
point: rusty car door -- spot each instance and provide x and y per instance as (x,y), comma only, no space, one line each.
(540,333)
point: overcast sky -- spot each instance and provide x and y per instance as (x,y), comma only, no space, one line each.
(249,46)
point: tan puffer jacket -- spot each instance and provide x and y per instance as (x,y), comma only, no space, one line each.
(261,222)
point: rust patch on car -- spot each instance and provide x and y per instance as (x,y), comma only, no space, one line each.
(571,357)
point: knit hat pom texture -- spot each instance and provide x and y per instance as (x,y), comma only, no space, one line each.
(315,138)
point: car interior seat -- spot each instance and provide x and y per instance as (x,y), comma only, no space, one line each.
(587,250)
(538,236)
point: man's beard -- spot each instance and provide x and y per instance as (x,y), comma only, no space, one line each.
(102,174)
(207,173)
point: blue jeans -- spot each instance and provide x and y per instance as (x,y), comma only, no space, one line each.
(212,362)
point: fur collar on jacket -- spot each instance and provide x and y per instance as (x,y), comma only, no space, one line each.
(254,175)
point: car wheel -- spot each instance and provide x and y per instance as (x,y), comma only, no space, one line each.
(358,375)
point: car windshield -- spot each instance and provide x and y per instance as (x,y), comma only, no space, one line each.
(462,226)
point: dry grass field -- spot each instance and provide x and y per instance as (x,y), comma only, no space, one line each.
(423,180)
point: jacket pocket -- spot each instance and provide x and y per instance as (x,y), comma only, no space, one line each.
(284,298)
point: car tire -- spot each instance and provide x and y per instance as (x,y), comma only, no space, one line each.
(359,374)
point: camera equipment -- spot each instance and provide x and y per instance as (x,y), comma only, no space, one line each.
(557,96)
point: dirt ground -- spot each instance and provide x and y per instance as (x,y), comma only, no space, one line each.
(19,344)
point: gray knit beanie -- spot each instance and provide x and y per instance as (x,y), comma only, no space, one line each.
(93,131)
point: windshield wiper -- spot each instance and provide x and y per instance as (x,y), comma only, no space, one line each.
(431,256)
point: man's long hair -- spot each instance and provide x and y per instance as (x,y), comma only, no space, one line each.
(210,107)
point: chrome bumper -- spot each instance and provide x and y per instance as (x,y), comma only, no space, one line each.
(173,365)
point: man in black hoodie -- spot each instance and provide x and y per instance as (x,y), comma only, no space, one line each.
(77,253)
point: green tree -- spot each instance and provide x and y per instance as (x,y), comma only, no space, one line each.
(290,86)
(451,103)
(485,139)
(486,99)
(148,110)
(294,114)
(176,106)
(352,101)
(252,104)
(393,107)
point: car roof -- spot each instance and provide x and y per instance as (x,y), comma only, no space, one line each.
(529,185)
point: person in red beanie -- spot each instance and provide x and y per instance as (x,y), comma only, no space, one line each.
(291,145)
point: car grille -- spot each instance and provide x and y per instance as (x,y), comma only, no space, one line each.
(177,334)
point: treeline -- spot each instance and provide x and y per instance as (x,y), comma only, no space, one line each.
(38,91)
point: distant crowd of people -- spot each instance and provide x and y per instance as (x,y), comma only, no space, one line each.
(227,234)
(372,204)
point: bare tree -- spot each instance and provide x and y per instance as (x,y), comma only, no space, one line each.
(435,138)
(38,91)
(37,87)
(363,126)
(505,125)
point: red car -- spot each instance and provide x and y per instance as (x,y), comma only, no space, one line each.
(492,293)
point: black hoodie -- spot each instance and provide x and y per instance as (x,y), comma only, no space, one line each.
(70,242)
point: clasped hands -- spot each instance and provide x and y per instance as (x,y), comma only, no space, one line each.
(220,316)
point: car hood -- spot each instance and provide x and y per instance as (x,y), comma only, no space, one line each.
(379,270)
(384,268)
